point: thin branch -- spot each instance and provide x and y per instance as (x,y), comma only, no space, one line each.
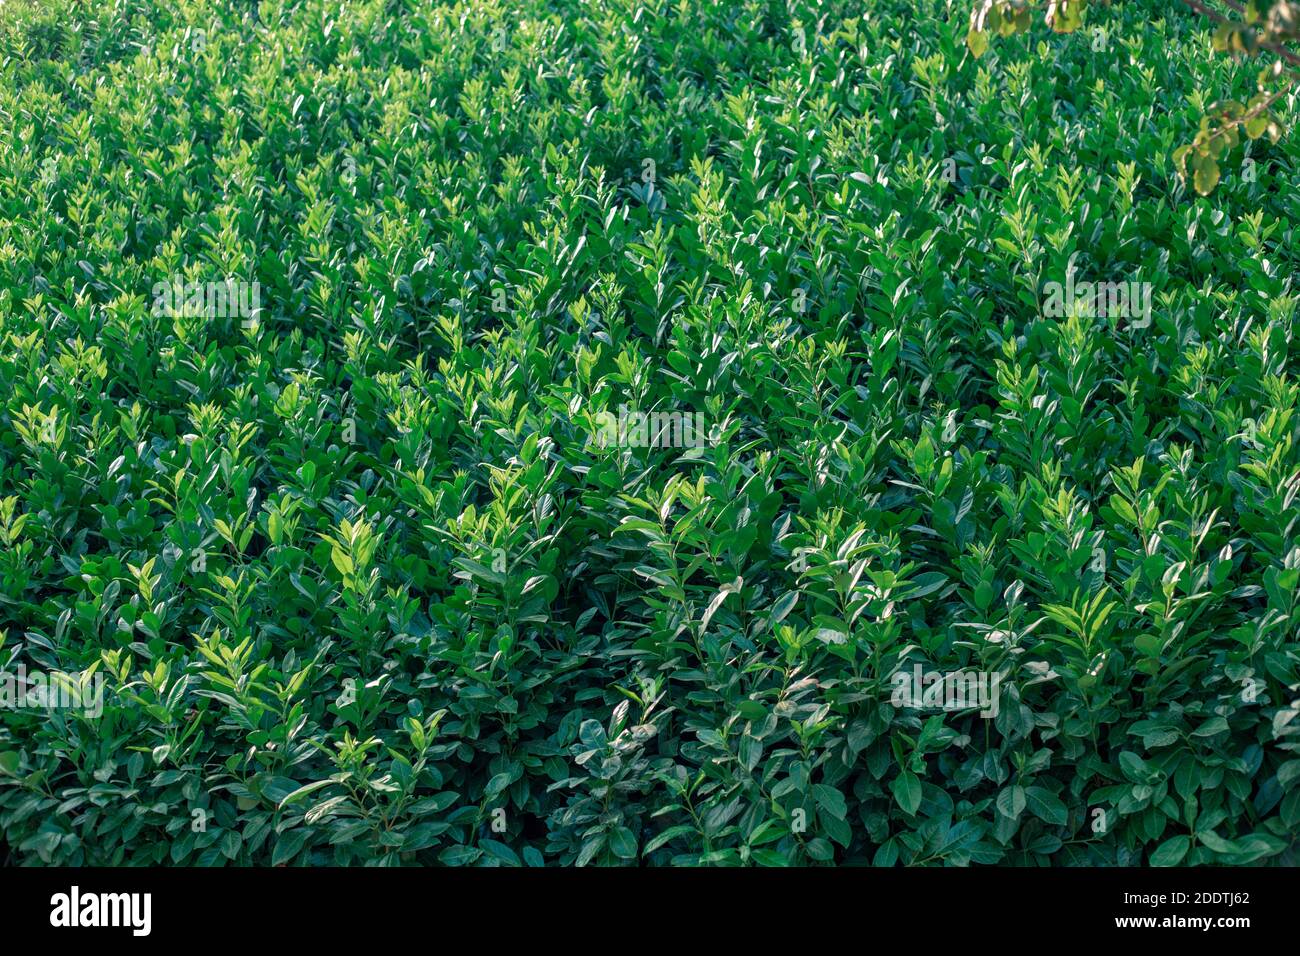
(1277,48)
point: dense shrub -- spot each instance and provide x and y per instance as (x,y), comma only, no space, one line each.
(363,575)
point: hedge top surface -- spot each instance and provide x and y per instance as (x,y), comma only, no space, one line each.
(585,431)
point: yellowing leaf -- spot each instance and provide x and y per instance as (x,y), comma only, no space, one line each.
(1207,176)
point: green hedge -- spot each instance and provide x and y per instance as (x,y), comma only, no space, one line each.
(373,565)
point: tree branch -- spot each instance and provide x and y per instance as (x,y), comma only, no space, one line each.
(1277,48)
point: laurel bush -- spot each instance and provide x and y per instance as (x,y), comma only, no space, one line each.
(369,570)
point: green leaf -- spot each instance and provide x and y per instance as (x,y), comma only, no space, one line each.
(496,785)
(1215,725)
(623,843)
(1046,805)
(1011,802)
(1217,843)
(1134,767)
(499,851)
(768,857)
(287,847)
(1287,773)
(459,855)
(831,800)
(303,791)
(1171,852)
(907,791)
(672,833)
